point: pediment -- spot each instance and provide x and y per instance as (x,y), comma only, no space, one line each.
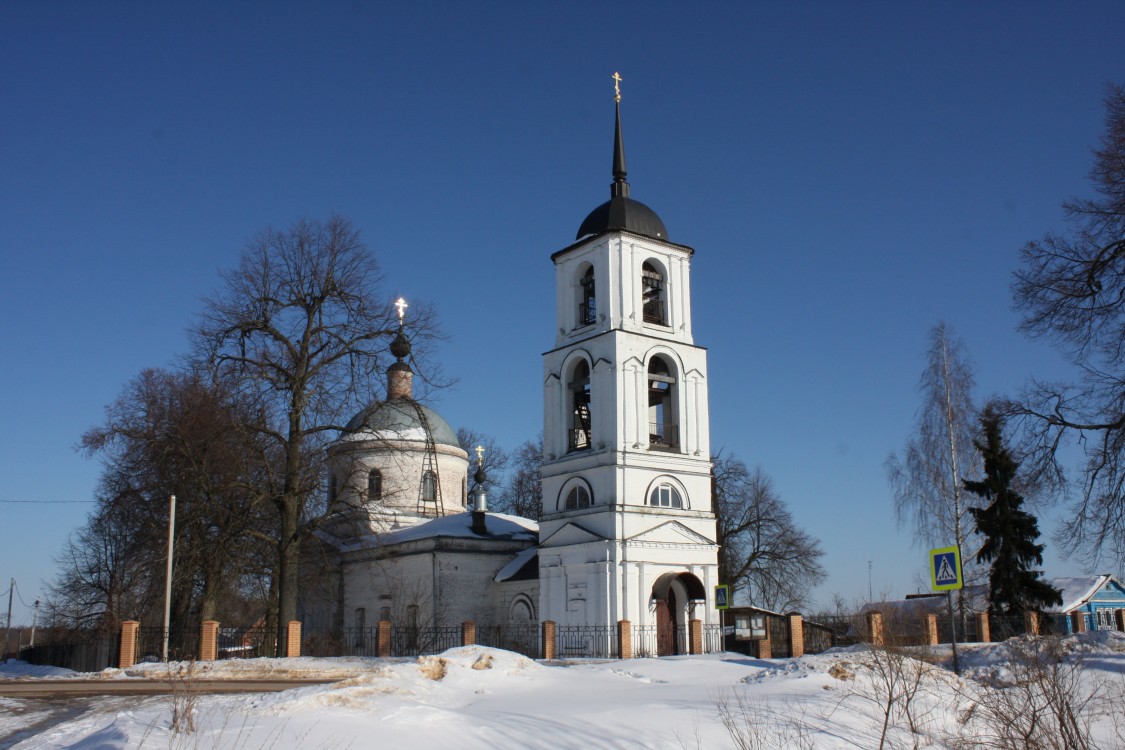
(571,534)
(670,532)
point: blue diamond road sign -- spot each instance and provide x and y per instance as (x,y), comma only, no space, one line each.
(945,569)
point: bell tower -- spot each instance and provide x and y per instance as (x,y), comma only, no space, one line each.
(627,531)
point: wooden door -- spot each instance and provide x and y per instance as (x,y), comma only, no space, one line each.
(665,630)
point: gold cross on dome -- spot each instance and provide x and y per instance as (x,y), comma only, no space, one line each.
(616,86)
(480,455)
(400,303)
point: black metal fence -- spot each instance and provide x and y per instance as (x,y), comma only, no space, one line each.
(183,644)
(81,656)
(246,642)
(523,639)
(419,641)
(594,641)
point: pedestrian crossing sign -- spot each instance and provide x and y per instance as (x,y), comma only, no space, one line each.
(722,600)
(945,569)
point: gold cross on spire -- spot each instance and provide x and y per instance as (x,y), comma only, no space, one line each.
(616,86)
(480,455)
(400,303)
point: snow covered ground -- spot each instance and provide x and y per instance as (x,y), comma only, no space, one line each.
(477,697)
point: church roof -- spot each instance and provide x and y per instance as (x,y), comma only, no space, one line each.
(401,419)
(621,211)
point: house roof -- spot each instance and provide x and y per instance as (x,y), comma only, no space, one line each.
(1078,590)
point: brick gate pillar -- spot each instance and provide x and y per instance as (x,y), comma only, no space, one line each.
(796,635)
(875,628)
(549,643)
(695,637)
(468,633)
(127,655)
(293,638)
(383,638)
(932,638)
(209,640)
(984,628)
(1031,623)
(624,639)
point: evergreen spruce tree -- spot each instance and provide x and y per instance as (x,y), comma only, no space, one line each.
(1010,533)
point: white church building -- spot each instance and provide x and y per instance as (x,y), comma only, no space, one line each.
(626,531)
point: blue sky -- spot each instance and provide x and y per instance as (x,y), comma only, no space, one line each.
(849,175)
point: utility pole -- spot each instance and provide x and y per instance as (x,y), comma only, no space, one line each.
(870,595)
(168,574)
(8,630)
(34,622)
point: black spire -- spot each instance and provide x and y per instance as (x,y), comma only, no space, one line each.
(619,188)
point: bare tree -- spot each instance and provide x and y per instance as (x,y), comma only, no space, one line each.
(928,481)
(167,434)
(762,552)
(302,326)
(522,493)
(1071,290)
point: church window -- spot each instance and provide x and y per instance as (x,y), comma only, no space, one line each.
(666,496)
(333,488)
(580,419)
(375,486)
(663,432)
(587,308)
(578,497)
(429,487)
(652,294)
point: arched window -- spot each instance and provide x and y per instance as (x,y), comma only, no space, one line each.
(521,611)
(429,487)
(665,496)
(663,432)
(652,294)
(374,486)
(333,488)
(587,307)
(578,497)
(580,419)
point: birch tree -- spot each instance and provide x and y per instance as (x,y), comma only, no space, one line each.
(928,479)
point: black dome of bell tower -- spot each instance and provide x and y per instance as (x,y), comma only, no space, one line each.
(621,211)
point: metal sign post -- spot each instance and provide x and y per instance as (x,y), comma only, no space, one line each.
(945,575)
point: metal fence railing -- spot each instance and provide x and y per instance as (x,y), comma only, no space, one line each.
(422,641)
(81,656)
(594,641)
(246,642)
(523,639)
(183,644)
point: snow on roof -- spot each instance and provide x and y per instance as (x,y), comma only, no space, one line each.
(500,526)
(516,564)
(1077,591)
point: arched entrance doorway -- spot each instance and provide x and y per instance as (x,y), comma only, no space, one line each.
(672,595)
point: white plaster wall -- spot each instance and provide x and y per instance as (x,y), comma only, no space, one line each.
(401,464)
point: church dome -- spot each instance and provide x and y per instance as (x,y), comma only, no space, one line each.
(402,419)
(621,212)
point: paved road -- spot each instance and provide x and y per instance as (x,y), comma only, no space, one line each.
(84,688)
